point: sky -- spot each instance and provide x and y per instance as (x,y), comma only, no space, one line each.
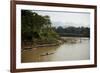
(66,19)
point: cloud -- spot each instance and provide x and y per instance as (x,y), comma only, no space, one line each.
(77,19)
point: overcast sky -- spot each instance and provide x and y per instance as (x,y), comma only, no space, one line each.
(65,19)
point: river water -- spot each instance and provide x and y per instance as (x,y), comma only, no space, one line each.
(74,49)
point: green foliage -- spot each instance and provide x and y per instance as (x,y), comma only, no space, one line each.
(73,31)
(35,26)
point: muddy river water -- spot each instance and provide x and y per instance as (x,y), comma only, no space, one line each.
(75,49)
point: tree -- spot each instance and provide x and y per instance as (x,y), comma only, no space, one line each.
(35,26)
(31,24)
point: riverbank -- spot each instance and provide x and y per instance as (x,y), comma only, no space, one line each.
(61,40)
(29,45)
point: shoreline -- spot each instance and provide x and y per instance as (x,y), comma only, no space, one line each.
(42,45)
(60,41)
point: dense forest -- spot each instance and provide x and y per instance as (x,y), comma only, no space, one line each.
(73,31)
(38,29)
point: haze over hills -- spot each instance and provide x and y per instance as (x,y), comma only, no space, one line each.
(66,19)
(67,24)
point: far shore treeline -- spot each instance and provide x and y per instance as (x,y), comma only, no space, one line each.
(38,29)
(73,31)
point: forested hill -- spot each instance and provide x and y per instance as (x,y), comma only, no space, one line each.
(73,31)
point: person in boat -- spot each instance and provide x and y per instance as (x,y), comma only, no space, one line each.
(47,54)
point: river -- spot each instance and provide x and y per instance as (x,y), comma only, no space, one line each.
(75,48)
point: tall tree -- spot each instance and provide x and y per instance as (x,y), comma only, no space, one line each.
(35,26)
